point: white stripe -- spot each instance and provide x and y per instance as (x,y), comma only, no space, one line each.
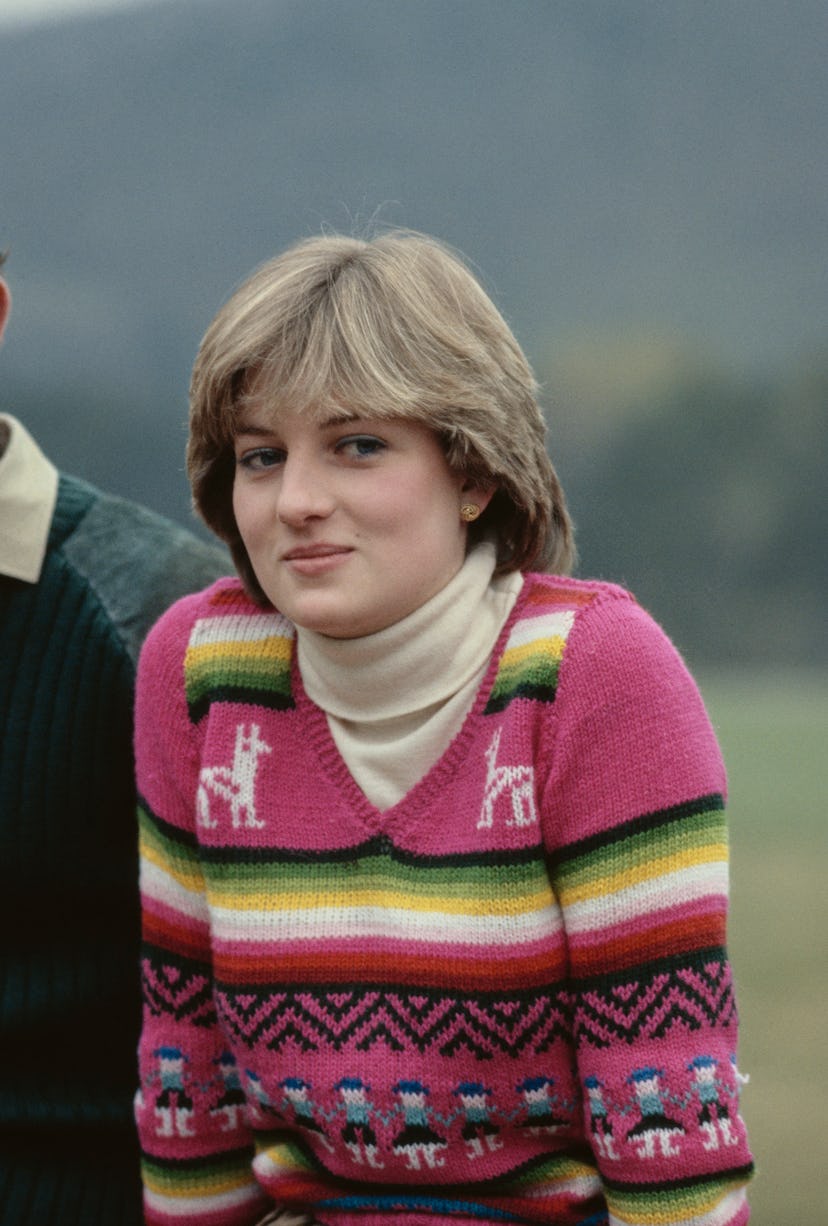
(394,923)
(725,1212)
(582,1186)
(187,1206)
(547,626)
(239,628)
(158,884)
(657,894)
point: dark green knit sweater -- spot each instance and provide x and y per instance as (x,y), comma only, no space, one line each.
(69,1009)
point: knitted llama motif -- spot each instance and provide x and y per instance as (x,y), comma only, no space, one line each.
(236,783)
(515,782)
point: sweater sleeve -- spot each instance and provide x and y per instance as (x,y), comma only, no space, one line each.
(634,816)
(196,1146)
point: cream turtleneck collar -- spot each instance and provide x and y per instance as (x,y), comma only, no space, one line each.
(396,699)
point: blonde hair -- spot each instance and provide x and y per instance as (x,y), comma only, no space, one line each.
(394,327)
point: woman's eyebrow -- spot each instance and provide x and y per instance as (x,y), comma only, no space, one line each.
(339,419)
(330,423)
(251,427)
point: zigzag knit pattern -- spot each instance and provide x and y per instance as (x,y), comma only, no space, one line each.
(506,999)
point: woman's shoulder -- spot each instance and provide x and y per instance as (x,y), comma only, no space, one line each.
(552,621)
(598,627)
(554,605)
(582,602)
(224,597)
(222,603)
(563,589)
(220,642)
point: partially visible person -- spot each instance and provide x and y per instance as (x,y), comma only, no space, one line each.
(82,577)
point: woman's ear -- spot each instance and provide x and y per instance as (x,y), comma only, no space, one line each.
(5,305)
(480,495)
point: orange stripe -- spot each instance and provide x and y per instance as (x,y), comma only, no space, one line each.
(156,931)
(228,596)
(569,596)
(509,974)
(658,942)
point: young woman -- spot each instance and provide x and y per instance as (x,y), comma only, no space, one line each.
(434,856)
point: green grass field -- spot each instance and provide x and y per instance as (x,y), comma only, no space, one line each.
(774,733)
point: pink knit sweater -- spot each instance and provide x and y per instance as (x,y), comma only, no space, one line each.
(505,999)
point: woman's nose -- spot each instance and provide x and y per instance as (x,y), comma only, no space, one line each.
(304,492)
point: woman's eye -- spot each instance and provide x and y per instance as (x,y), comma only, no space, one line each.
(260,458)
(360,446)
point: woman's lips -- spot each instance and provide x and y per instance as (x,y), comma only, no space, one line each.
(316,559)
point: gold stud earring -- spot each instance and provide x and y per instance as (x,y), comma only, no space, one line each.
(469,511)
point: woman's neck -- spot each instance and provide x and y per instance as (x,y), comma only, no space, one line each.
(395,699)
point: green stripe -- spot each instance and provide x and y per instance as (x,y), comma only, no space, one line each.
(228,672)
(379,872)
(547,1171)
(287,1148)
(535,677)
(681,835)
(685,1199)
(177,853)
(711,803)
(200,1176)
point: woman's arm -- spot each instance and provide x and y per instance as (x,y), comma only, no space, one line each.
(196,1146)
(634,811)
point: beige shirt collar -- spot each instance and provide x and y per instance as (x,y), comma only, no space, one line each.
(28,492)
(394,700)
(417,662)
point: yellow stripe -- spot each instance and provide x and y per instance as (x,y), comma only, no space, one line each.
(175,1188)
(514,657)
(690,1203)
(612,883)
(387,899)
(193,881)
(558,1170)
(276,648)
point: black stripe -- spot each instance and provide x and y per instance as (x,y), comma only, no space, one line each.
(689,1181)
(175,834)
(208,1162)
(638,825)
(526,689)
(271,700)
(378,846)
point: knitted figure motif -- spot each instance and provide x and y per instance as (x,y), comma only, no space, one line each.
(358,1134)
(478,1128)
(232,1101)
(506,998)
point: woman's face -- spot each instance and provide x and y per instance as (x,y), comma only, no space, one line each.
(350,523)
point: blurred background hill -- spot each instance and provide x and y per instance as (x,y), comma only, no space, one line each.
(643,187)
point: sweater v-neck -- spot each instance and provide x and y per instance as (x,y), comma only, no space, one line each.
(424,677)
